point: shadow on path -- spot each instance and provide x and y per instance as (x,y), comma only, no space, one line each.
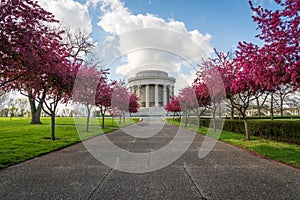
(225,173)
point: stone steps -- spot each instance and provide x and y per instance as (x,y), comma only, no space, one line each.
(151,111)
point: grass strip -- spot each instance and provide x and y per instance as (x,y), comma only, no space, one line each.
(20,140)
(283,152)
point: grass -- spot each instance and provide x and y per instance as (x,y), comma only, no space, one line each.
(20,141)
(280,151)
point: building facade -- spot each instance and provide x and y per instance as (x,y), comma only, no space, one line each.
(153,87)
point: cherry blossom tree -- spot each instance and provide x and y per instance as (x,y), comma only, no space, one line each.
(133,104)
(27,35)
(103,97)
(280,32)
(81,46)
(121,99)
(203,98)
(237,82)
(52,78)
(23,31)
(85,87)
(281,51)
(173,106)
(24,46)
(114,113)
(58,82)
(188,102)
(246,80)
(209,83)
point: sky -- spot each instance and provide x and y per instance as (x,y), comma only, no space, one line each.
(169,35)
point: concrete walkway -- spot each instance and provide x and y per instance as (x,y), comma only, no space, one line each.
(225,173)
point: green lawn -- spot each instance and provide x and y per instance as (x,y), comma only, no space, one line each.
(283,152)
(20,141)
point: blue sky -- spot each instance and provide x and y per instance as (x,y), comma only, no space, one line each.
(219,24)
(228,21)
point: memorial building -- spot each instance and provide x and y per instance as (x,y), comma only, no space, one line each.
(153,87)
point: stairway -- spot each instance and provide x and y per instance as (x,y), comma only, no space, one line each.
(151,111)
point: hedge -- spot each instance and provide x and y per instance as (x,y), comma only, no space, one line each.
(288,131)
(281,130)
(268,117)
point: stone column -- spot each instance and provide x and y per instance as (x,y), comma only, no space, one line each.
(147,96)
(165,98)
(172,90)
(169,90)
(156,96)
(139,94)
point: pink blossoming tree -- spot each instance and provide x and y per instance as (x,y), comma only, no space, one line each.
(85,87)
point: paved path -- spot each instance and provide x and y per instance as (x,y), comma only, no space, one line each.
(225,173)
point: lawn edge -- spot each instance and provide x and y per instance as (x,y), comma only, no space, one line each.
(245,149)
(68,145)
(257,154)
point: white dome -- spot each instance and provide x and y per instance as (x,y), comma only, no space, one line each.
(152,73)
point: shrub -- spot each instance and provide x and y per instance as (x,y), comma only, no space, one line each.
(268,117)
(236,126)
(281,130)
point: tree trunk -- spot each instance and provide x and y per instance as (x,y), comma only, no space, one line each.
(281,106)
(35,111)
(53,126)
(272,107)
(214,119)
(232,112)
(247,134)
(199,122)
(102,125)
(186,119)
(124,117)
(102,112)
(88,119)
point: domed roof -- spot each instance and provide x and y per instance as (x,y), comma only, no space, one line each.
(152,73)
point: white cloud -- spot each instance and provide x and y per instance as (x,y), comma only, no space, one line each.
(184,80)
(147,59)
(148,41)
(92,2)
(70,13)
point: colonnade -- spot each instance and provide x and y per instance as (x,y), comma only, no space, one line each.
(153,95)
